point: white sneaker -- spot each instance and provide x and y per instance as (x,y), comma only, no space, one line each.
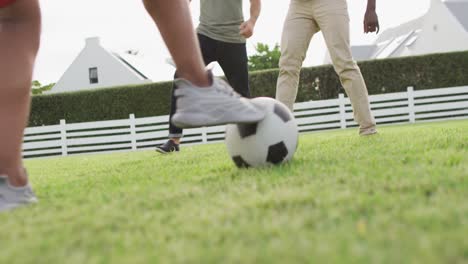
(12,197)
(218,104)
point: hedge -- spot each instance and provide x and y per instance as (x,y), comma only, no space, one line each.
(316,83)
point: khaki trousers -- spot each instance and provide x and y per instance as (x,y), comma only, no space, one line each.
(304,19)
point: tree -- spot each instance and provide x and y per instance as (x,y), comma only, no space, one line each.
(38,88)
(265,58)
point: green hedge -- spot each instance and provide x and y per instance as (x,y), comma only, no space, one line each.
(382,76)
(101,104)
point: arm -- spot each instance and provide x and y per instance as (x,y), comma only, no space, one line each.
(247,28)
(370,5)
(371,21)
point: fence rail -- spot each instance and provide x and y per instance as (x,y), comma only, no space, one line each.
(145,133)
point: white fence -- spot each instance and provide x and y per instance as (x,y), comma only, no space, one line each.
(145,133)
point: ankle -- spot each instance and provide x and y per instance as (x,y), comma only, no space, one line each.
(175,140)
(201,79)
(18,178)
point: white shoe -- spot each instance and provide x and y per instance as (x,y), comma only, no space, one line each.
(218,104)
(12,197)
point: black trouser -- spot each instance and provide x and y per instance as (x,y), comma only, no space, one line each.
(232,57)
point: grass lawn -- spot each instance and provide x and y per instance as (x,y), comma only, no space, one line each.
(397,197)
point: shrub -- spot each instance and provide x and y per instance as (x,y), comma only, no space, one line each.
(316,83)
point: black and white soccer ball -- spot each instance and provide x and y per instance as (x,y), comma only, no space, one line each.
(269,142)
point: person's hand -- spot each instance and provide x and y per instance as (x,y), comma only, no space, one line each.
(371,22)
(247,28)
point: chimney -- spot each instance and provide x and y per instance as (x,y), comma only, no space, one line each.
(93,41)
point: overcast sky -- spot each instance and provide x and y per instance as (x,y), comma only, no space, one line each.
(124,24)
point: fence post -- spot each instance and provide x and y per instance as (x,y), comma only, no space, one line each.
(63,137)
(204,135)
(341,101)
(133,131)
(411,114)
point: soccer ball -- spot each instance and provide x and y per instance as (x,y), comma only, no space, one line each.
(270,141)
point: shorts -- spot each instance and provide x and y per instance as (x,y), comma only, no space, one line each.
(4,3)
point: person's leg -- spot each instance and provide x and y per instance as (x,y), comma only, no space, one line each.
(174,23)
(19,35)
(208,51)
(232,57)
(299,27)
(334,23)
(214,104)
(175,133)
(19,43)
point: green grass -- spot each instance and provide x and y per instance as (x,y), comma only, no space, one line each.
(397,197)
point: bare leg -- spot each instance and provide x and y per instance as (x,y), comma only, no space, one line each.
(174,22)
(20,36)
(216,103)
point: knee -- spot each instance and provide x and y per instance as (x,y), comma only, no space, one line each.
(291,67)
(15,86)
(347,69)
(13,93)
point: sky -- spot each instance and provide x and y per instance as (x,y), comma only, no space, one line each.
(124,24)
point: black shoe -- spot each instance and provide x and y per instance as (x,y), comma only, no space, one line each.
(168,147)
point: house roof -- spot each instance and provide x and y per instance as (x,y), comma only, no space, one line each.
(363,52)
(396,41)
(125,58)
(401,30)
(129,65)
(460,10)
(393,41)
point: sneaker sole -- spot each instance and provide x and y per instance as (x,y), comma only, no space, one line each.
(12,206)
(163,151)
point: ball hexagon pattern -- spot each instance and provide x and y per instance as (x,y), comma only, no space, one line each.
(268,142)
